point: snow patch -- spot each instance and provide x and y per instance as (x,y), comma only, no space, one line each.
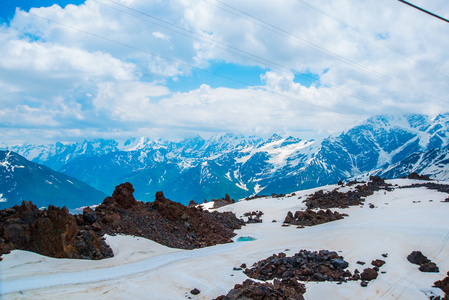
(242,186)
(258,188)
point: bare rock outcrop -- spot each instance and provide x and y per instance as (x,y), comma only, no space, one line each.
(165,221)
(415,175)
(222,202)
(52,232)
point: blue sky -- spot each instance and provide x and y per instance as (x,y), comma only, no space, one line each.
(173,69)
(7,11)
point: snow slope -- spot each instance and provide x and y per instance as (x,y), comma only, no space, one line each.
(143,269)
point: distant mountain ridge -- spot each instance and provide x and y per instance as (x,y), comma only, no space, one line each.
(198,169)
(22,180)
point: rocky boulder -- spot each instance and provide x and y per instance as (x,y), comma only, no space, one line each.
(425,265)
(279,289)
(369,274)
(122,196)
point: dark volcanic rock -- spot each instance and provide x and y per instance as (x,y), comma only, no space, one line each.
(89,216)
(52,232)
(279,289)
(378,263)
(195,291)
(443,188)
(304,266)
(164,221)
(192,203)
(222,202)
(123,195)
(368,274)
(425,265)
(336,199)
(414,175)
(417,258)
(429,267)
(254,216)
(443,285)
(311,218)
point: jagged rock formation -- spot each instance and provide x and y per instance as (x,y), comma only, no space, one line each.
(279,289)
(52,232)
(222,202)
(164,221)
(311,218)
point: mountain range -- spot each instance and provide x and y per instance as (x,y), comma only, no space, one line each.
(389,145)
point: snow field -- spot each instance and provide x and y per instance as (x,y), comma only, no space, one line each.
(143,269)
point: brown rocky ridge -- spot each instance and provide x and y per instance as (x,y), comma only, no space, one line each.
(336,199)
(165,221)
(415,175)
(222,202)
(56,233)
(52,232)
(443,188)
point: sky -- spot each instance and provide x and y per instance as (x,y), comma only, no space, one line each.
(75,70)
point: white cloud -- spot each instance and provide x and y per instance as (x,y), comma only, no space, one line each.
(281,106)
(162,36)
(110,73)
(128,101)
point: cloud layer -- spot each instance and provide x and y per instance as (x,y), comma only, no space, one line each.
(117,68)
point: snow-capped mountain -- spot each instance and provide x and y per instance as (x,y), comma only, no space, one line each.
(22,180)
(198,169)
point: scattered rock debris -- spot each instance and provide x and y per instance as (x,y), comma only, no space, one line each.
(425,264)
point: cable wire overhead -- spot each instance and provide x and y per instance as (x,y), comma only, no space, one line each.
(425,11)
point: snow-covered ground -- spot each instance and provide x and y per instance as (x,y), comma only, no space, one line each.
(404,220)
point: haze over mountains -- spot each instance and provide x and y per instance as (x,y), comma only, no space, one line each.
(198,169)
(21,179)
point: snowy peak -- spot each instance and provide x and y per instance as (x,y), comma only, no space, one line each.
(10,161)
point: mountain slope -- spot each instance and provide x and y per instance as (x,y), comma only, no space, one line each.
(198,169)
(21,180)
